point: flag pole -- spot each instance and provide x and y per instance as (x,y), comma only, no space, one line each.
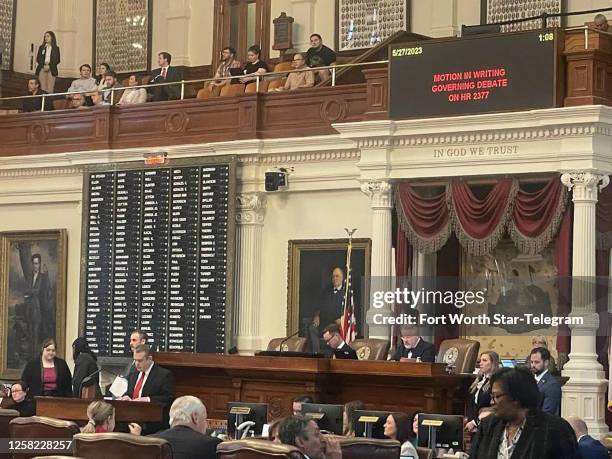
(347,288)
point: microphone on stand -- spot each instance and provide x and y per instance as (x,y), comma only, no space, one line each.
(86,379)
(280,348)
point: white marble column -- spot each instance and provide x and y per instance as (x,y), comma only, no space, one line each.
(250,208)
(584,393)
(444,18)
(380,193)
(303,11)
(65,28)
(424,271)
(178,17)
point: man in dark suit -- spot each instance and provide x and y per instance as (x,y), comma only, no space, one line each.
(588,447)
(187,433)
(337,348)
(34,104)
(548,385)
(518,429)
(150,383)
(331,301)
(165,74)
(413,346)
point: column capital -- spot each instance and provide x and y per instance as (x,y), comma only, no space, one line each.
(380,192)
(250,208)
(584,184)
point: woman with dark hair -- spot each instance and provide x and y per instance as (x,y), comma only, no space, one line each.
(103,68)
(48,374)
(399,427)
(254,66)
(47,59)
(84,365)
(21,400)
(480,390)
(348,426)
(518,429)
(415,427)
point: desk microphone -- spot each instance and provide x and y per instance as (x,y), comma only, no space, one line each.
(280,347)
(86,379)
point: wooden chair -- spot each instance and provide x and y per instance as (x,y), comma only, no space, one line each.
(460,354)
(6,416)
(425,453)
(252,87)
(257,449)
(371,348)
(369,448)
(205,93)
(40,427)
(283,67)
(276,83)
(293,344)
(117,444)
(232,90)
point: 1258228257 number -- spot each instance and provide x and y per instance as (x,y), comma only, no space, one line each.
(412,51)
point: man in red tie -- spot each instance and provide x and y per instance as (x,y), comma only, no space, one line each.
(150,383)
(165,74)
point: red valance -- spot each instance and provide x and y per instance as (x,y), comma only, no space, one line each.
(531,218)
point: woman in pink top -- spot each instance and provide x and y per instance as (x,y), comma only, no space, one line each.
(48,374)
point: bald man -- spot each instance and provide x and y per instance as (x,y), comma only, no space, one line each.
(331,301)
(588,447)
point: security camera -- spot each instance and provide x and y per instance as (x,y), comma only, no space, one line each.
(276,178)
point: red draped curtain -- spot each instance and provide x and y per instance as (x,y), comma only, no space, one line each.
(531,218)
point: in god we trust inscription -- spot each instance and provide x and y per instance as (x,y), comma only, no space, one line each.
(477,151)
(158,246)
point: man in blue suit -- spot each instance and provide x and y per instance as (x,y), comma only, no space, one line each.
(548,385)
(588,447)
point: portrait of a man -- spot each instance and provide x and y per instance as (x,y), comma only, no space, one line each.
(317,283)
(33,299)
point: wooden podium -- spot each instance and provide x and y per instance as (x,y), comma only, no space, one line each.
(388,386)
(75,409)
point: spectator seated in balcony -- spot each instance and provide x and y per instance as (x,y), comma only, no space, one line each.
(601,23)
(78,101)
(254,66)
(85,83)
(106,97)
(103,68)
(34,104)
(133,95)
(228,62)
(165,74)
(319,55)
(298,80)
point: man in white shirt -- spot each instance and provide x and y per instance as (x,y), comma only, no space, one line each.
(305,435)
(339,348)
(84,83)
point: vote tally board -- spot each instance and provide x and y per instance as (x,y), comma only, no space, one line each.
(158,251)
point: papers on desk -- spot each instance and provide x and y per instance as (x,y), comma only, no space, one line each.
(119,386)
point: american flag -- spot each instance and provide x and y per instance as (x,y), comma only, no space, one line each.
(348,329)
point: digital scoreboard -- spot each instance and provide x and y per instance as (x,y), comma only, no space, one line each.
(475,74)
(158,247)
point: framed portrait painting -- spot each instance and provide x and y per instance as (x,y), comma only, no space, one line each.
(32,295)
(316,275)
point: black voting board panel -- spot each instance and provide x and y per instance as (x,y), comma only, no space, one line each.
(158,251)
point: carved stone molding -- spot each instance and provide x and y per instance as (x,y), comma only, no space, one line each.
(40,172)
(250,208)
(584,185)
(380,192)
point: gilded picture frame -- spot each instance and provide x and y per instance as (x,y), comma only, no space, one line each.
(309,271)
(32,295)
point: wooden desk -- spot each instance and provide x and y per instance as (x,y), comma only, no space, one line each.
(75,409)
(393,386)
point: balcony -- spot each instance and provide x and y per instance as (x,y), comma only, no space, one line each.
(308,112)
